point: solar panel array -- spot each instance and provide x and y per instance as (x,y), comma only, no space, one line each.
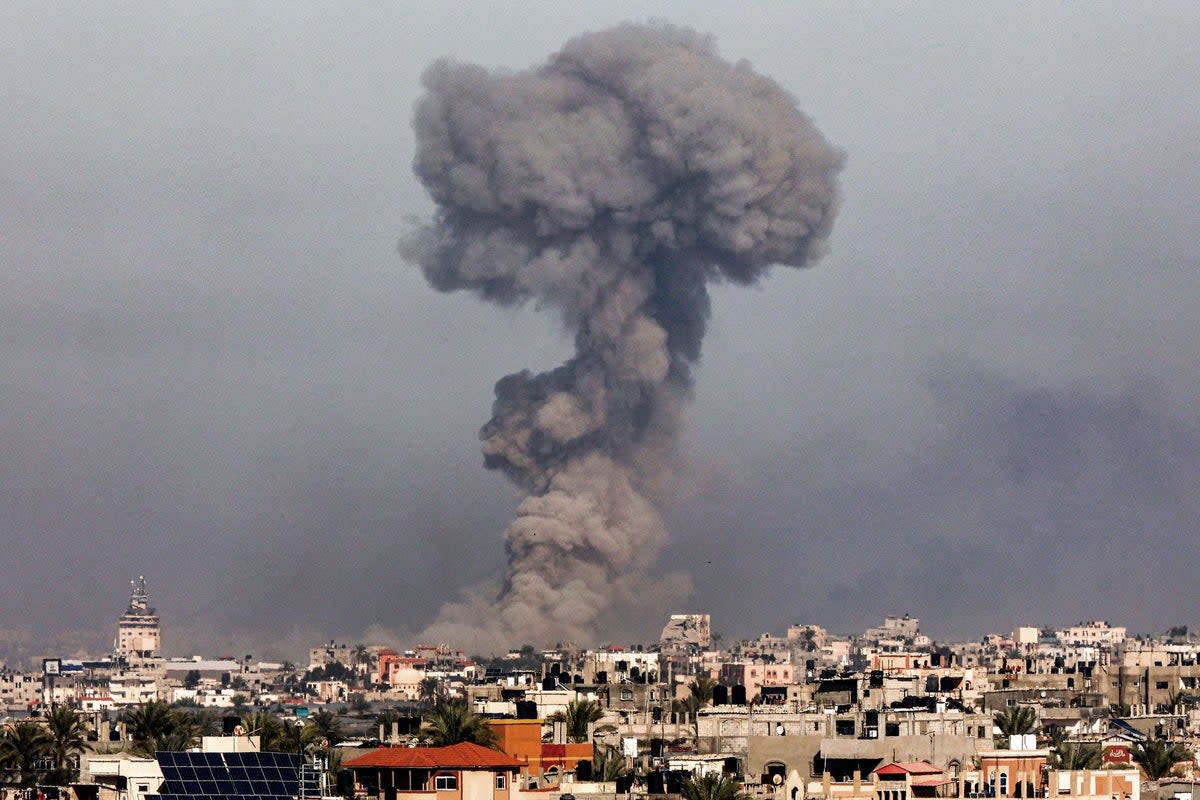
(230,776)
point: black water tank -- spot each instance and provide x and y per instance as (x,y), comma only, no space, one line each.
(737,696)
(720,695)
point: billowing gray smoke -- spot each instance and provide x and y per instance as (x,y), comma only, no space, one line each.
(613,183)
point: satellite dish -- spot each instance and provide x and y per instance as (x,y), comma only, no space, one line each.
(238,730)
(776,779)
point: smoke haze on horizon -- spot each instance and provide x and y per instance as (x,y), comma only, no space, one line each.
(217,372)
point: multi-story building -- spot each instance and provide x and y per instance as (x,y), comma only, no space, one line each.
(904,628)
(1095,632)
(326,654)
(19,689)
(138,632)
(686,632)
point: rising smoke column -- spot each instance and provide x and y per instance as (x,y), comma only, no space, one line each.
(613,182)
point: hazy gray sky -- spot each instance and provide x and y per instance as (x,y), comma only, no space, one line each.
(216,370)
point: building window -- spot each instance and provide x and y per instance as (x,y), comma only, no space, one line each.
(626,694)
(1004,784)
(446,783)
(501,780)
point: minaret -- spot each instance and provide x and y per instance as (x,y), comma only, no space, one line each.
(138,634)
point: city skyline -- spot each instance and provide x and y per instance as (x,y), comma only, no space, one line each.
(977,407)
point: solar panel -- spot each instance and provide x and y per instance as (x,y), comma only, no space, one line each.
(234,776)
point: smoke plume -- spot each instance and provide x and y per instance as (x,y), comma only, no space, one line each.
(612,183)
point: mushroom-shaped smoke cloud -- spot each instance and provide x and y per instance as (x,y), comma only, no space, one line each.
(612,182)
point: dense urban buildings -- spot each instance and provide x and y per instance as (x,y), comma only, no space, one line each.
(1081,711)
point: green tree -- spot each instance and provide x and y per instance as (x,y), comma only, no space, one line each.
(451,721)
(22,746)
(192,679)
(702,689)
(158,726)
(328,726)
(361,655)
(578,716)
(68,733)
(297,738)
(267,727)
(430,691)
(700,694)
(1157,757)
(714,786)
(1016,720)
(1071,755)
(607,763)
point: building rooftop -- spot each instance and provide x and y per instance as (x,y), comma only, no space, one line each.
(464,755)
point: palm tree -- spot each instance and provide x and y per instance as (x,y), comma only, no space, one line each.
(328,726)
(156,726)
(361,654)
(1016,720)
(68,733)
(1157,757)
(22,746)
(297,738)
(430,691)
(578,716)
(702,689)
(607,763)
(714,786)
(1070,756)
(451,721)
(149,720)
(266,726)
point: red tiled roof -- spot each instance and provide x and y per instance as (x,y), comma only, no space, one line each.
(910,767)
(464,755)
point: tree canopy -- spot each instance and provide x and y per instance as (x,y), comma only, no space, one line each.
(1157,757)
(22,746)
(451,721)
(714,786)
(1016,720)
(578,716)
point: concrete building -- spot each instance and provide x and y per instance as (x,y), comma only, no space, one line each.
(1095,784)
(773,740)
(686,632)
(138,633)
(459,772)
(1013,772)
(544,764)
(1095,632)
(121,776)
(904,628)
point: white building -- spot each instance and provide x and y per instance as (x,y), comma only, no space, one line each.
(138,632)
(1095,633)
